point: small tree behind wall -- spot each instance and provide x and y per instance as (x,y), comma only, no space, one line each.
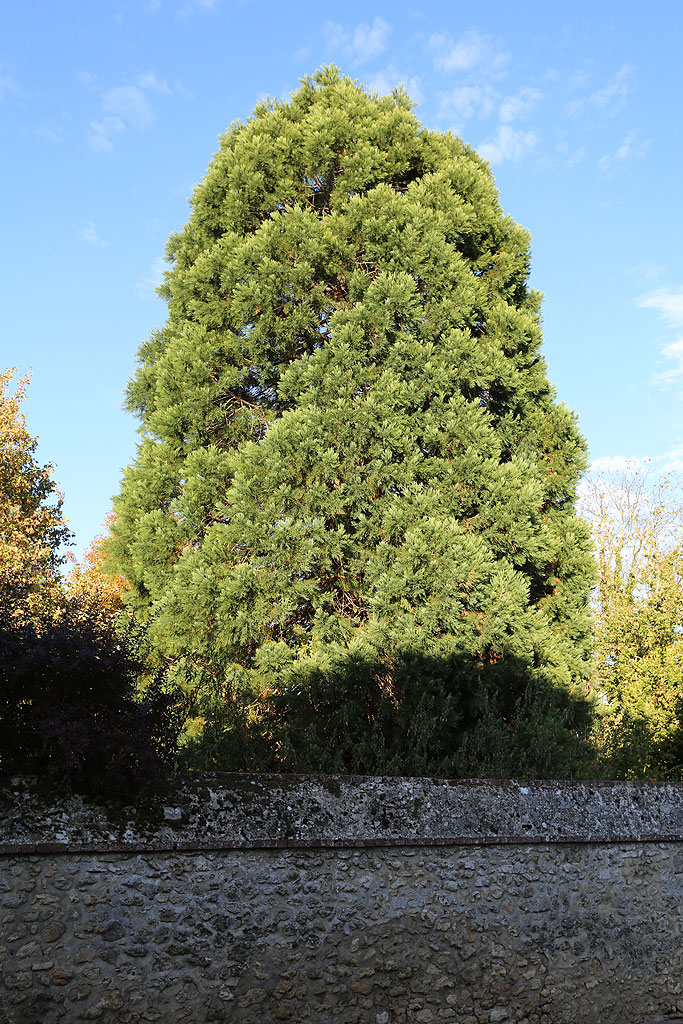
(69,707)
(636,517)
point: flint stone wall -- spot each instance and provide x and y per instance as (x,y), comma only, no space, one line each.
(328,899)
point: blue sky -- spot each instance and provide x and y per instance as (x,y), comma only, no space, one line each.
(110,112)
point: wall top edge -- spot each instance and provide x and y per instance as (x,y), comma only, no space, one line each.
(235,810)
(509,783)
(199,846)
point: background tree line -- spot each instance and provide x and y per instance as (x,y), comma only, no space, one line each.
(76,705)
(636,520)
(349,540)
(72,663)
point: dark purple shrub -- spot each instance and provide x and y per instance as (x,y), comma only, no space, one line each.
(71,710)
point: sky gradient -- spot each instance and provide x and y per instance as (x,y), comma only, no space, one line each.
(110,113)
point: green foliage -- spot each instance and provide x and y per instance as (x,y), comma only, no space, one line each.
(352,509)
(32,527)
(638,623)
(377,713)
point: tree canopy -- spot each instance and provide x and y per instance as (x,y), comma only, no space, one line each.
(351,518)
(32,527)
(69,703)
(636,518)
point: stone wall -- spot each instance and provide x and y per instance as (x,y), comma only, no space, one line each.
(269,898)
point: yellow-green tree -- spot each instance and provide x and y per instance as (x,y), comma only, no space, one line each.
(636,518)
(32,527)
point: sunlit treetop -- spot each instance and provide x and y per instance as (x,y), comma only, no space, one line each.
(348,437)
(32,527)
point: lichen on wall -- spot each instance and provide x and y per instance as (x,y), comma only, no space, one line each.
(469,902)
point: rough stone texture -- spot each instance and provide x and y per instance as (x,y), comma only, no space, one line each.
(230,808)
(474,932)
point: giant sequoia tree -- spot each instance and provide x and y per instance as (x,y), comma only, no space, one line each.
(352,508)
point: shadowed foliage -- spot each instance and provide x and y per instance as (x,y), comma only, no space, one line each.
(350,453)
(69,710)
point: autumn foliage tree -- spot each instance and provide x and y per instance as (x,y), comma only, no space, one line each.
(32,527)
(351,517)
(69,707)
(99,593)
(636,517)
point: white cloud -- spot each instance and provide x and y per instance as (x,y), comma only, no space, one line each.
(303,53)
(647,271)
(89,234)
(46,132)
(123,107)
(471,50)
(624,149)
(179,89)
(508,144)
(336,37)
(147,283)
(609,99)
(629,147)
(613,96)
(669,304)
(652,467)
(674,352)
(468,101)
(673,460)
(129,103)
(150,81)
(370,40)
(619,463)
(8,87)
(572,155)
(389,78)
(361,43)
(193,6)
(87,79)
(520,105)
(101,133)
(579,78)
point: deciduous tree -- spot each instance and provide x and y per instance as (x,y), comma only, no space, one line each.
(69,707)
(636,517)
(98,593)
(32,526)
